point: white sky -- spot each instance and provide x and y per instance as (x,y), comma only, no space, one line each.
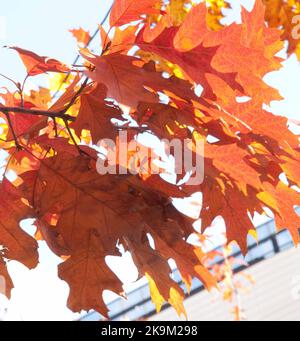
(42,27)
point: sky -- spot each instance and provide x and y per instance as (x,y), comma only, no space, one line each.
(42,26)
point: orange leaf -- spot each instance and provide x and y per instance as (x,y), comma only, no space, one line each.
(126,11)
(36,64)
(83,37)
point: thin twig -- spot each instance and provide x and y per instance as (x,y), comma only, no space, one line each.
(55,127)
(11,80)
(18,146)
(17,85)
(73,100)
(22,90)
(105,48)
(8,163)
(137,129)
(78,56)
(72,137)
(83,66)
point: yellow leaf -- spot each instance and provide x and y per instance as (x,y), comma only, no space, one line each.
(156,297)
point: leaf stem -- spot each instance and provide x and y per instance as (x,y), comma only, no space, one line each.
(18,146)
(72,137)
(83,85)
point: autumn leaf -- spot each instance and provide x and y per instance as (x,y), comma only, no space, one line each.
(281,14)
(194,64)
(177,11)
(157,271)
(5,280)
(96,113)
(87,246)
(17,244)
(126,11)
(219,199)
(88,276)
(83,37)
(239,169)
(36,64)
(282,200)
(214,54)
(192,31)
(123,40)
(57,188)
(114,71)
(215,13)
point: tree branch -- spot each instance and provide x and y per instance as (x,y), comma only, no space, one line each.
(38,112)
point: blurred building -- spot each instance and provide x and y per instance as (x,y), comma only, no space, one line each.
(274,263)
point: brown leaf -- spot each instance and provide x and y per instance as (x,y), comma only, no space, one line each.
(18,245)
